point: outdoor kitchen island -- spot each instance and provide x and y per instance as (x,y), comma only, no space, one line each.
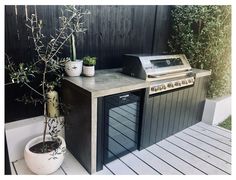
(85,124)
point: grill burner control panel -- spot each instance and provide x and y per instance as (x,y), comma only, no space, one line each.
(158,87)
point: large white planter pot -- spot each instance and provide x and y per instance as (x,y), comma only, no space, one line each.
(88,70)
(74,68)
(216,110)
(45,163)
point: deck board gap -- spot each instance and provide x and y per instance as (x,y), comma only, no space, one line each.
(136,156)
(63,170)
(14,167)
(221,128)
(196,155)
(147,163)
(123,162)
(210,137)
(203,142)
(181,159)
(109,169)
(215,127)
(164,161)
(212,131)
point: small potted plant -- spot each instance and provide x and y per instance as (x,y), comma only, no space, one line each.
(73,66)
(89,66)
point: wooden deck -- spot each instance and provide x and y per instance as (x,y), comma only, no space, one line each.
(199,149)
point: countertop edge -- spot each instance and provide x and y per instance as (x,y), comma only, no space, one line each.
(108,92)
(201,73)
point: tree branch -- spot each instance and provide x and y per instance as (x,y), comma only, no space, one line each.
(33,89)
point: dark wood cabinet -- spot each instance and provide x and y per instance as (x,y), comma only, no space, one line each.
(170,112)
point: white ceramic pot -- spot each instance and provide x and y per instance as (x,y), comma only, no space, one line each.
(45,163)
(88,70)
(74,68)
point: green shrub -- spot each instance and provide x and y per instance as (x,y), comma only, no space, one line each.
(227,123)
(203,34)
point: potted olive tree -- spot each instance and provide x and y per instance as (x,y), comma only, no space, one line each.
(74,66)
(89,66)
(45,154)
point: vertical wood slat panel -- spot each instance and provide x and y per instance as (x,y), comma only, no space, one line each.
(162,32)
(23,43)
(161,117)
(155,112)
(10,30)
(166,118)
(183,109)
(112,32)
(174,111)
(188,106)
(195,114)
(202,99)
(145,132)
(178,111)
(174,106)
(193,100)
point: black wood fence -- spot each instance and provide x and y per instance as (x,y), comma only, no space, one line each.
(112,32)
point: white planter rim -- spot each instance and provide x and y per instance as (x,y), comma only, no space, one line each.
(76,61)
(88,65)
(39,139)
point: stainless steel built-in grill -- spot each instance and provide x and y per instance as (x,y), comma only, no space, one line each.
(165,72)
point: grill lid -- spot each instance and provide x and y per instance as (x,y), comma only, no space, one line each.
(156,67)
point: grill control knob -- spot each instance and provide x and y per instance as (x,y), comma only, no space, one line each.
(177,83)
(190,80)
(184,82)
(170,85)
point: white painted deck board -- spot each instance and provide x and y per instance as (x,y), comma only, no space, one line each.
(201,154)
(119,168)
(156,163)
(71,165)
(214,129)
(221,128)
(179,164)
(212,150)
(22,168)
(137,165)
(208,140)
(104,171)
(192,151)
(212,135)
(191,159)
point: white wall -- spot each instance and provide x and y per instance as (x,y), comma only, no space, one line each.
(18,133)
(216,110)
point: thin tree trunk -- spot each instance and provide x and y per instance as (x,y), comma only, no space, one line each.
(44,104)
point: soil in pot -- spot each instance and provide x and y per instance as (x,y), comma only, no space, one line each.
(49,146)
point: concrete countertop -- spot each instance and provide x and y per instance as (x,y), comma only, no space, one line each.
(107,82)
(112,81)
